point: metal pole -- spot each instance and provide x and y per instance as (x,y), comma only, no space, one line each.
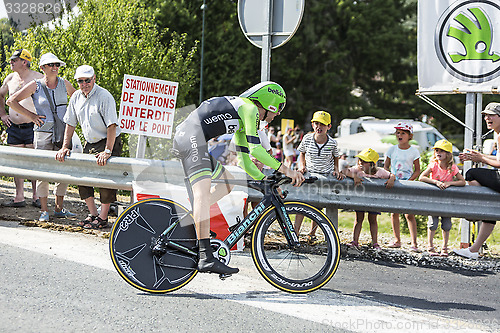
(470,106)
(203,7)
(266,42)
(141,146)
(470,102)
(479,121)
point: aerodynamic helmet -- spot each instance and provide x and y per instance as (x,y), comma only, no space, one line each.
(269,94)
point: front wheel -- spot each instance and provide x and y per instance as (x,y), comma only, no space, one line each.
(302,269)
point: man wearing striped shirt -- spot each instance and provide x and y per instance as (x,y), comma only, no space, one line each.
(319,156)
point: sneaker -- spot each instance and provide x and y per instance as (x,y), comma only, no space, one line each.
(467,253)
(64,213)
(44,217)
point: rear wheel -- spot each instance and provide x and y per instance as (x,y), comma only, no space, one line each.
(130,246)
(296,270)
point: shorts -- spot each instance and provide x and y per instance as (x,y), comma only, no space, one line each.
(43,141)
(433,222)
(192,149)
(360,211)
(20,134)
(107,195)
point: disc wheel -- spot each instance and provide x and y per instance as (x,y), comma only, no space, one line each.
(130,246)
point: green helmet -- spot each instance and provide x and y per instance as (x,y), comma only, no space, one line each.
(269,94)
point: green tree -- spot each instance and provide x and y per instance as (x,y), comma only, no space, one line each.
(349,57)
(6,40)
(231,63)
(116,37)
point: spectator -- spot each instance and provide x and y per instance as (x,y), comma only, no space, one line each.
(298,133)
(95,109)
(441,172)
(343,163)
(367,168)
(319,157)
(273,138)
(19,126)
(483,177)
(288,152)
(278,152)
(403,160)
(50,97)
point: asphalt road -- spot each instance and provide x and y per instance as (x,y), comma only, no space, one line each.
(53,281)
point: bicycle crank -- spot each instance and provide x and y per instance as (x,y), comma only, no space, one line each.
(221,251)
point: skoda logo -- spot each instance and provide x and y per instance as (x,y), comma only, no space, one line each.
(467,40)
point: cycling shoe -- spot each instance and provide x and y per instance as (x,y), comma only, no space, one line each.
(208,264)
(213,265)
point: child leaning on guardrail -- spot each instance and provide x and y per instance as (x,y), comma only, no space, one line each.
(441,172)
(367,168)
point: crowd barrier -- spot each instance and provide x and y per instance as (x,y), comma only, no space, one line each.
(469,202)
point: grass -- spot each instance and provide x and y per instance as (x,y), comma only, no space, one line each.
(346,223)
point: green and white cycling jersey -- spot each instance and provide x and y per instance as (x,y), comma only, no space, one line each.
(215,117)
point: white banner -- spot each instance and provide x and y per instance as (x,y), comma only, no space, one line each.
(147,106)
(458,46)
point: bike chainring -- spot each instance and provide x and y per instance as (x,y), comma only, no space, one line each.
(221,251)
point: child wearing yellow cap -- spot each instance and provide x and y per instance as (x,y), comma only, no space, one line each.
(367,168)
(319,157)
(443,173)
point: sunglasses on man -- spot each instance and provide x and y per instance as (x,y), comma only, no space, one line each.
(81,81)
(54,64)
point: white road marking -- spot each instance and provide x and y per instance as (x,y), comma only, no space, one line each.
(248,287)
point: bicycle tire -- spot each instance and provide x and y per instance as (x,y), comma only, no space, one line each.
(295,270)
(130,246)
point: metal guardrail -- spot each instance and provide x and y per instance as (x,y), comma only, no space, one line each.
(470,202)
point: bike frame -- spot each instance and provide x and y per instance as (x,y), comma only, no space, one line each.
(271,199)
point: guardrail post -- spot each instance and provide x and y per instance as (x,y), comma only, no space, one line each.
(464,233)
(333,214)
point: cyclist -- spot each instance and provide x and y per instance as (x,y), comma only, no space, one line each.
(220,115)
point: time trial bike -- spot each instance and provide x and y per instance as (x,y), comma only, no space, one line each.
(278,254)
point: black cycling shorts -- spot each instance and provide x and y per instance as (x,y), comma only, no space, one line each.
(192,147)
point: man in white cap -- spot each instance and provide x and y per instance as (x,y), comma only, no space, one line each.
(19,126)
(95,109)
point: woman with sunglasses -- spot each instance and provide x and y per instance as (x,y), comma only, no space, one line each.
(50,97)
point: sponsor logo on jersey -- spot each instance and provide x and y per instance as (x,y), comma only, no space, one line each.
(194,146)
(232,125)
(217,118)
